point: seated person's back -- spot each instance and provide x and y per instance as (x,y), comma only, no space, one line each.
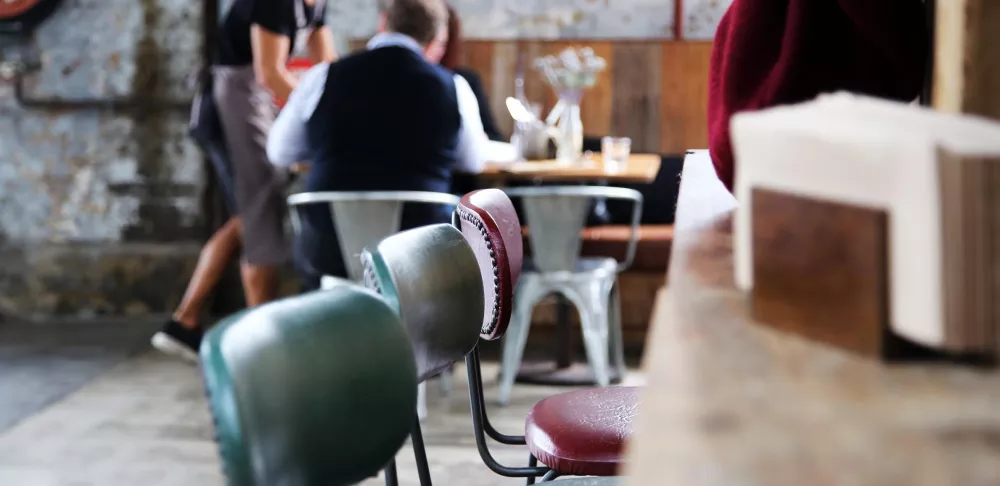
(387,120)
(384,119)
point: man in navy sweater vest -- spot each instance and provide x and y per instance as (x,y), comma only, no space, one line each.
(386,119)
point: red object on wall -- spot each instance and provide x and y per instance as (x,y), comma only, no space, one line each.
(13,8)
(297,66)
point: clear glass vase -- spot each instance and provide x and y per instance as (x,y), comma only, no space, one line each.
(569,128)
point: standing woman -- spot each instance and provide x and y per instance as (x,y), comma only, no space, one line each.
(255,39)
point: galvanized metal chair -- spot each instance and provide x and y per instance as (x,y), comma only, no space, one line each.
(363,219)
(291,383)
(556,216)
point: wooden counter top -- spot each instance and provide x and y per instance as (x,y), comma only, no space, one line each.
(640,168)
(729,402)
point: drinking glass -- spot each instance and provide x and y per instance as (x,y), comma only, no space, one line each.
(615,151)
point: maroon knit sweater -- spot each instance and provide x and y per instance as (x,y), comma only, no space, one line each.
(772,52)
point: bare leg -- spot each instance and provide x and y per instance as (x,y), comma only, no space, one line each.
(215,255)
(260,283)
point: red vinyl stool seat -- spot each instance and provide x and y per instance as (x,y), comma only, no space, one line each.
(582,432)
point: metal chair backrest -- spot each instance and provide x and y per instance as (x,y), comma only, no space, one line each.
(555,216)
(489,223)
(314,389)
(362,219)
(431,277)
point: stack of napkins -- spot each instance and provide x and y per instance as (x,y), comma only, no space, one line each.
(937,177)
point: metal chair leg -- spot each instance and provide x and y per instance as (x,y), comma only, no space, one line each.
(422,401)
(594,323)
(420,454)
(527,294)
(550,476)
(444,380)
(477,404)
(391,479)
(616,337)
(532,462)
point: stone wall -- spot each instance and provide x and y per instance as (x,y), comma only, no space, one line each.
(82,191)
(555,19)
(100,211)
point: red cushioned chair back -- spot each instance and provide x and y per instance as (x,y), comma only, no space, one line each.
(490,225)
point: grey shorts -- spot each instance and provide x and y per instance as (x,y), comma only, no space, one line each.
(247,113)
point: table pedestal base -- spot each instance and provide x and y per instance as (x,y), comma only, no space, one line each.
(549,373)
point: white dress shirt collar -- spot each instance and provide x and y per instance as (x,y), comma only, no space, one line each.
(388,39)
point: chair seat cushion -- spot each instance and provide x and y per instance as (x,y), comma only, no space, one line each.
(582,432)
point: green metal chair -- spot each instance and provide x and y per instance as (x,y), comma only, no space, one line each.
(314,390)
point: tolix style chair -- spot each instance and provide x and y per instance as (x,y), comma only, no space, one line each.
(294,384)
(362,219)
(556,215)
(481,238)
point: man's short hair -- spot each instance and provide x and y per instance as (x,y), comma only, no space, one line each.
(422,20)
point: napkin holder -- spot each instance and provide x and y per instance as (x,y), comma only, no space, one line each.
(821,271)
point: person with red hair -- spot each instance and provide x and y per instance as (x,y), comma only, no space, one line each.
(452,58)
(774,52)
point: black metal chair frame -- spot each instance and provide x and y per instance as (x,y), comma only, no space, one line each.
(482,428)
(419,455)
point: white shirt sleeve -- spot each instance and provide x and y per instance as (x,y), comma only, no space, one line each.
(287,143)
(472,139)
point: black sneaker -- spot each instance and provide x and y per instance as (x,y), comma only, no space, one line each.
(176,340)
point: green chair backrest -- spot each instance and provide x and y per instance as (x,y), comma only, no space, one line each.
(431,277)
(317,389)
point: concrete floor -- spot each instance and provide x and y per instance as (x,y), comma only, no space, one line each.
(144,421)
(40,364)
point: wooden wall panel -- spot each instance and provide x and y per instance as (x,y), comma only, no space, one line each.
(636,94)
(684,96)
(653,91)
(967,58)
(534,86)
(502,68)
(479,57)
